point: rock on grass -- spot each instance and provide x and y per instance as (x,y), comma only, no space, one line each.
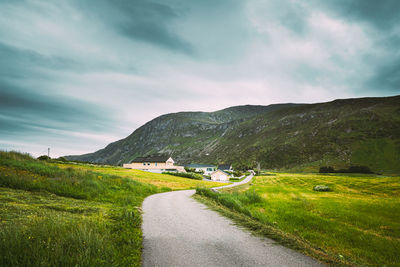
(322,188)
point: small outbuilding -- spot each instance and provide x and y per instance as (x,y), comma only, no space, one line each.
(220,175)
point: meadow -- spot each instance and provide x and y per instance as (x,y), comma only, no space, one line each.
(52,216)
(160,180)
(357,224)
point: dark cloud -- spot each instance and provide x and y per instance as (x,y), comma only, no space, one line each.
(383,14)
(49,111)
(383,17)
(19,63)
(141,20)
(386,77)
(26,99)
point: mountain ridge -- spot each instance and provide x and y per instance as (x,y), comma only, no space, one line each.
(339,133)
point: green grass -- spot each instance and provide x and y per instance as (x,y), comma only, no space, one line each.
(66,217)
(356,224)
(74,215)
(159,180)
(190,175)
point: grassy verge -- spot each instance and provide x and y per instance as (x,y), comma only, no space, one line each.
(159,180)
(356,224)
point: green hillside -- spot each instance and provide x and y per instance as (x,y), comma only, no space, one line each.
(364,131)
(339,133)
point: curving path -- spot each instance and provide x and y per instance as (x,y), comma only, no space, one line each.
(179,231)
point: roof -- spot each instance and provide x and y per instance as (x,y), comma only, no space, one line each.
(194,165)
(224,167)
(220,171)
(152,158)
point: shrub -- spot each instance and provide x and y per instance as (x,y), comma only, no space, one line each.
(326,169)
(44,157)
(189,175)
(190,169)
(237,173)
(359,169)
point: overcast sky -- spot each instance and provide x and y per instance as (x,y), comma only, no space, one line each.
(76,75)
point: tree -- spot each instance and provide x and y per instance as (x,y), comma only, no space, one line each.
(326,169)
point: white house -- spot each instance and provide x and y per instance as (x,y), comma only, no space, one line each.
(154,164)
(206,168)
(219,175)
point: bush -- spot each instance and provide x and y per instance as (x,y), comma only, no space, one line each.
(326,169)
(356,169)
(44,157)
(351,169)
(237,173)
(189,175)
(190,169)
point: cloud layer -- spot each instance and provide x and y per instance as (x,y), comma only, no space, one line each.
(76,75)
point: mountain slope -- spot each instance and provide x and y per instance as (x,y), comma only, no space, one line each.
(339,133)
(183,135)
(364,131)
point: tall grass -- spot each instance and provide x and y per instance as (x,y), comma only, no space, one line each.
(54,241)
(20,171)
(235,201)
(50,224)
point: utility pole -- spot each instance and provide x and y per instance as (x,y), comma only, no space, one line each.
(48,152)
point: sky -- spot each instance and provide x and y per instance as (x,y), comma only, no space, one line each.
(76,75)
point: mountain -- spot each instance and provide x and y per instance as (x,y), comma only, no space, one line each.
(363,131)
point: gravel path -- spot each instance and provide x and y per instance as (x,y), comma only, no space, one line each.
(179,231)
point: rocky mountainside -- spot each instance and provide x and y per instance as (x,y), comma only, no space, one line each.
(364,131)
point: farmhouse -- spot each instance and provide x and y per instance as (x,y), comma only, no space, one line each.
(219,175)
(207,169)
(156,163)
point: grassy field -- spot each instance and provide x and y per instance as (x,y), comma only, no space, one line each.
(52,216)
(358,223)
(159,180)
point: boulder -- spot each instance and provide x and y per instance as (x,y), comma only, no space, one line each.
(322,188)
